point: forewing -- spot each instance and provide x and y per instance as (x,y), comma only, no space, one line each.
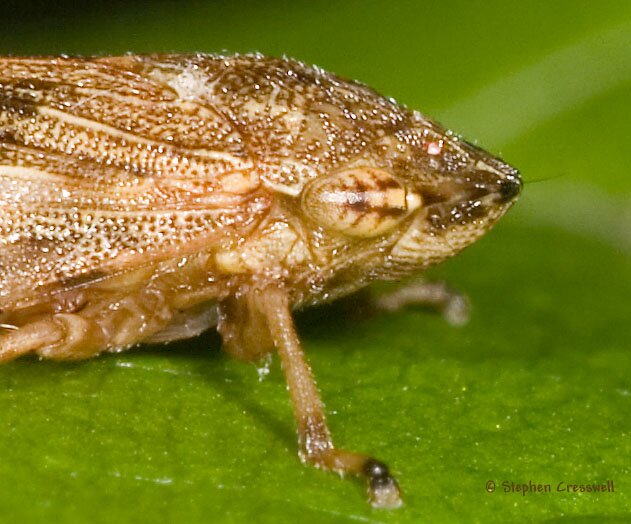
(104,168)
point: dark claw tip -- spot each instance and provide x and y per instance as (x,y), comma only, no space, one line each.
(383,489)
(375,469)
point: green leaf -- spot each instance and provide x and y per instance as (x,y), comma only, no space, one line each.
(537,387)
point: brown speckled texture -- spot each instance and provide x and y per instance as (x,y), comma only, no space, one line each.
(167,182)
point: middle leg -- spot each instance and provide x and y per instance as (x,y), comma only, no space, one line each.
(262,319)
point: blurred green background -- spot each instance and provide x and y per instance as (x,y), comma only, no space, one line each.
(536,387)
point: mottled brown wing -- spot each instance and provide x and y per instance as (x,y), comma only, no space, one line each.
(105,167)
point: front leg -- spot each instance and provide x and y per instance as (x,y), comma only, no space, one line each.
(267,314)
(438,296)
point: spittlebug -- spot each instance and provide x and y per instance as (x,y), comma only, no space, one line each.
(149,198)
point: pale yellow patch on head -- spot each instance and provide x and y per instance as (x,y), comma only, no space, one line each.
(360,202)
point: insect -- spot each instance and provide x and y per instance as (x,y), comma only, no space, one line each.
(147,198)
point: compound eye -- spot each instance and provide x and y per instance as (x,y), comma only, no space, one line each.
(360,202)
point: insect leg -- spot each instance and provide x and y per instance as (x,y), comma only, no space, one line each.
(104,322)
(31,337)
(244,327)
(59,336)
(316,444)
(451,304)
